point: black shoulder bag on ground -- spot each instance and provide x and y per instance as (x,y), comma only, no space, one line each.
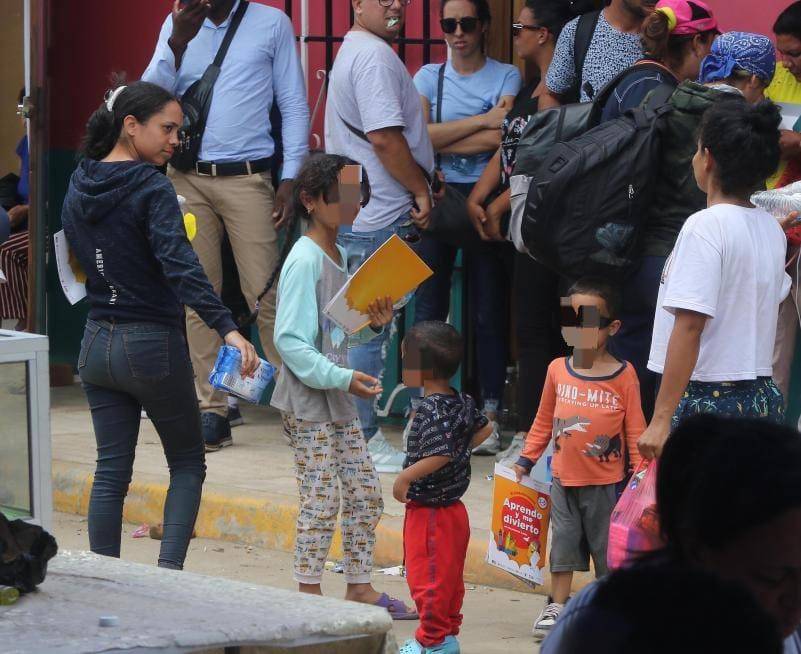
(196,101)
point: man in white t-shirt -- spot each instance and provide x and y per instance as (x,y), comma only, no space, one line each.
(373,115)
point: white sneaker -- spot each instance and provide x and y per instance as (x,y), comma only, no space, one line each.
(512,453)
(492,445)
(385,457)
(547,619)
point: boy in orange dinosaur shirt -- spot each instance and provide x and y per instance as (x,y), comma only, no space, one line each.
(591,409)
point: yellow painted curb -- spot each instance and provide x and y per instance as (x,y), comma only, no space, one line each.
(268,524)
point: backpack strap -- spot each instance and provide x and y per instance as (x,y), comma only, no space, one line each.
(236,19)
(585,29)
(212,72)
(359,133)
(600,100)
(440,86)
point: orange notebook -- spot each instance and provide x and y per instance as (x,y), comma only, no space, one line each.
(393,270)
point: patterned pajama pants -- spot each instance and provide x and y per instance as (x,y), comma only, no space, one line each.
(329,456)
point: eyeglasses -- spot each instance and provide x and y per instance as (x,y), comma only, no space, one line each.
(517,28)
(389,3)
(468,24)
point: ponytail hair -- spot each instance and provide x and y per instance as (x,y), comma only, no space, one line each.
(140,100)
(661,44)
(735,132)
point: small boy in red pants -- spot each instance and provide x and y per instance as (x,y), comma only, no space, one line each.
(446,427)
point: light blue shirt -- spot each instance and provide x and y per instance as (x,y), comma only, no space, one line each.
(262,65)
(464,96)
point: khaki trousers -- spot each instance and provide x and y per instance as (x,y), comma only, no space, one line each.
(242,207)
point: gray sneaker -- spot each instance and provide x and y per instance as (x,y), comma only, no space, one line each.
(492,445)
(510,455)
(547,619)
(385,457)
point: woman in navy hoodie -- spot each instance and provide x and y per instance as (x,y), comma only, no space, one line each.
(122,219)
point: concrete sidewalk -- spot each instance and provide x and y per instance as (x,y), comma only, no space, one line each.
(250,493)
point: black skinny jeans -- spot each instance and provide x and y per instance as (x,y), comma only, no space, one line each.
(124,367)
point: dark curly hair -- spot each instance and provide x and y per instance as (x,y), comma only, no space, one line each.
(744,142)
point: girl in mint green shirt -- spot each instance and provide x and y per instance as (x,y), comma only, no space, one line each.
(315,389)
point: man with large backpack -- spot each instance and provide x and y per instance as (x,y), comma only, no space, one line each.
(593,49)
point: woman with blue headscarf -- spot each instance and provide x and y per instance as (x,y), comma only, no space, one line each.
(740,61)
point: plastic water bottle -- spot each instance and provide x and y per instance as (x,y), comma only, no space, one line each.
(509,414)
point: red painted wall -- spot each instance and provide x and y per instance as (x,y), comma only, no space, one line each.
(748,15)
(93,38)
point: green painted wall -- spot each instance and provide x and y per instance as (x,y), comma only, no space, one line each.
(65,322)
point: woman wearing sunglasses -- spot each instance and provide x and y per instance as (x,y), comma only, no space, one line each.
(535,288)
(476,92)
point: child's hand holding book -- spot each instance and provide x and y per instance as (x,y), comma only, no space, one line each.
(521,472)
(380,312)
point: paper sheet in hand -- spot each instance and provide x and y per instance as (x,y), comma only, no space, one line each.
(73,279)
(393,270)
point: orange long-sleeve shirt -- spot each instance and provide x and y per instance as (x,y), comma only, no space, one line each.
(593,421)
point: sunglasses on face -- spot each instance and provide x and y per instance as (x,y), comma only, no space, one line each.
(517,28)
(468,24)
(586,317)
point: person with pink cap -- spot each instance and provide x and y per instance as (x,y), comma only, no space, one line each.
(676,38)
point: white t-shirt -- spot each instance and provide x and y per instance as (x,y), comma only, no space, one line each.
(728,263)
(371,89)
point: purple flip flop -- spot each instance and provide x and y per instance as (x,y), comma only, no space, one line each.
(397,609)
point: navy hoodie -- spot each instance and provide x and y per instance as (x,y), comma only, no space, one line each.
(123,222)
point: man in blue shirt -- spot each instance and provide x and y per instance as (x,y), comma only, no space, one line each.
(230,191)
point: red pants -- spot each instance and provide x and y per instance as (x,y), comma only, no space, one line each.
(435,546)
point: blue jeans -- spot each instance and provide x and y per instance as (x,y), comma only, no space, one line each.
(369,358)
(633,342)
(125,367)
